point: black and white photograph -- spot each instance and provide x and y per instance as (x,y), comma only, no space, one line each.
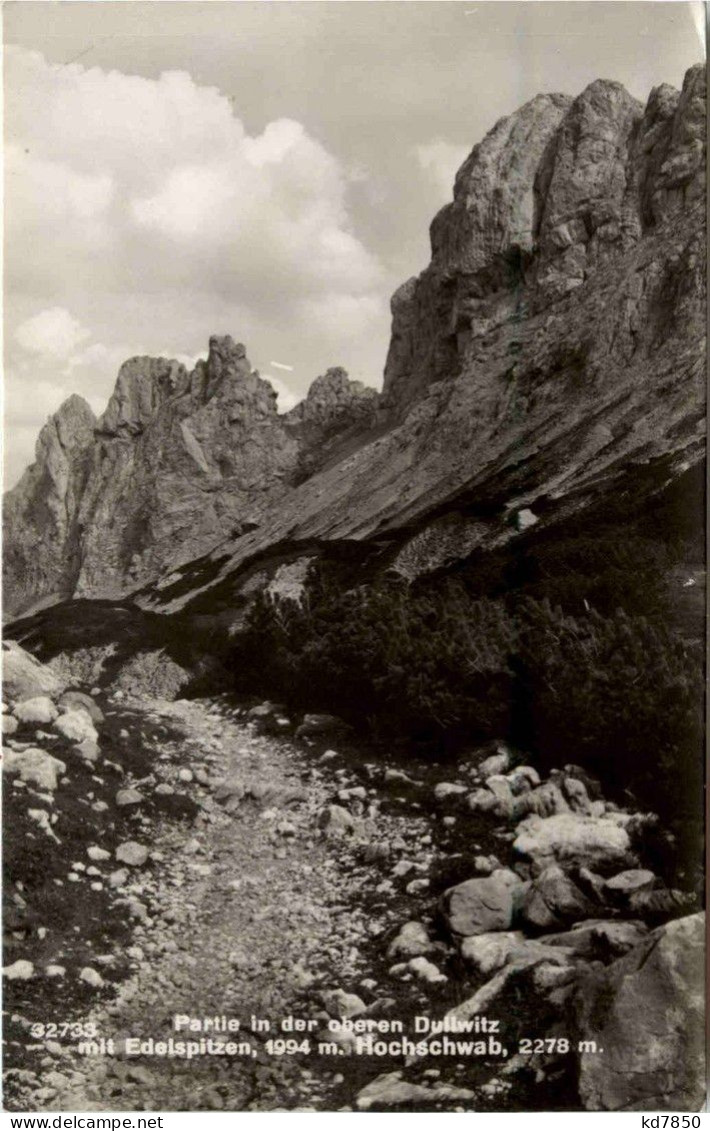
(353,545)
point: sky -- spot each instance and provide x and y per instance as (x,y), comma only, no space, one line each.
(264,169)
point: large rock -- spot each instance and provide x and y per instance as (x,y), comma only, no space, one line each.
(568,838)
(647,1013)
(553,901)
(601,939)
(76,725)
(39,710)
(72,699)
(485,904)
(489,953)
(23,677)
(34,766)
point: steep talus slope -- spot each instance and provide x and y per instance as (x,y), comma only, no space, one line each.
(549,359)
(177,461)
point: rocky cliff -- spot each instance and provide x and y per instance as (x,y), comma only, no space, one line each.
(548,362)
(177,462)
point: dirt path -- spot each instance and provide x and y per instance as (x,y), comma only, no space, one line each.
(252,911)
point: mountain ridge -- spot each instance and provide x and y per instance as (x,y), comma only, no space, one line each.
(548,358)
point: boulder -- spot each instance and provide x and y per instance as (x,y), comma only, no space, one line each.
(553,901)
(599,939)
(35,767)
(411,941)
(496,763)
(544,801)
(501,789)
(39,710)
(76,725)
(23,677)
(570,838)
(79,699)
(484,904)
(489,953)
(626,884)
(647,1012)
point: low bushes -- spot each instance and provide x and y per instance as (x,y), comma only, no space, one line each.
(616,693)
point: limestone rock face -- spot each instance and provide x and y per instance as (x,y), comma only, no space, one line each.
(549,361)
(41,554)
(547,364)
(479,243)
(177,462)
(334,410)
(554,193)
(646,1011)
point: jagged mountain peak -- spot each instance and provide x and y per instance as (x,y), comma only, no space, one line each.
(549,356)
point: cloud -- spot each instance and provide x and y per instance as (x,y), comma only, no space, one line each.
(162,178)
(146,208)
(440,161)
(52,332)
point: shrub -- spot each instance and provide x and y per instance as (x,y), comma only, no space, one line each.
(618,694)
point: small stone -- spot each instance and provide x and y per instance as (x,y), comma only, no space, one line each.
(130,852)
(411,941)
(91,977)
(446,790)
(426,971)
(185,775)
(335,820)
(20,971)
(128,797)
(96,853)
(343,1005)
